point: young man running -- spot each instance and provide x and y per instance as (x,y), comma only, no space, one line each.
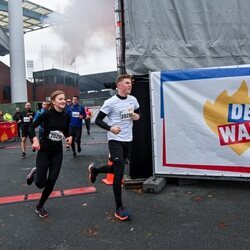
(121,110)
(27,117)
(77,113)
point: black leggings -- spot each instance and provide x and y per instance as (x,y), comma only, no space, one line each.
(119,152)
(76,133)
(87,123)
(47,160)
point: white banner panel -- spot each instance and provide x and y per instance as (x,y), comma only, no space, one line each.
(201,121)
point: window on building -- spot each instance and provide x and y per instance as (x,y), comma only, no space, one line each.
(6,93)
(38,81)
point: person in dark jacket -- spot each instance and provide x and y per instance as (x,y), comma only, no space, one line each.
(1,116)
(45,107)
(18,120)
(27,117)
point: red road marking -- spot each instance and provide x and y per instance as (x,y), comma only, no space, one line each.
(54,194)
(12,199)
(11,147)
(34,196)
(76,191)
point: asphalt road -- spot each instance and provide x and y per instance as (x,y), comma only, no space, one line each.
(208,215)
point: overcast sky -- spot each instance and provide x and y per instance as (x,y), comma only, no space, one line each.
(87,33)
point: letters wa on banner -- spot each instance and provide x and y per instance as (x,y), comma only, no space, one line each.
(201,121)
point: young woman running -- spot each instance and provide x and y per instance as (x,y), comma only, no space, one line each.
(50,152)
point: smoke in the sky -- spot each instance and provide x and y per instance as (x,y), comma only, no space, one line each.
(86,30)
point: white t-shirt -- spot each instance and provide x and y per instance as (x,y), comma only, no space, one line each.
(119,112)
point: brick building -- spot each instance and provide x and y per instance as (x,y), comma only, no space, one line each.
(47,81)
(5,88)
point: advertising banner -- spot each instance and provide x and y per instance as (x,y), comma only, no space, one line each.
(201,121)
(8,130)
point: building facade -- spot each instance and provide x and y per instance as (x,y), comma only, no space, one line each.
(5,86)
(47,81)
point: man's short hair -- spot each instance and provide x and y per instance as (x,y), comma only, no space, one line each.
(75,96)
(121,77)
(27,104)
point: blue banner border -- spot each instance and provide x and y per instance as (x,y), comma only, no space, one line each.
(195,74)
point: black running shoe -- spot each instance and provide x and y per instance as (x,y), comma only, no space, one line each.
(23,155)
(74,154)
(79,148)
(122,214)
(41,212)
(30,176)
(92,174)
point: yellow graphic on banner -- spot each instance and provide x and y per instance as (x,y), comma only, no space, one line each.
(217,114)
(4,137)
(13,129)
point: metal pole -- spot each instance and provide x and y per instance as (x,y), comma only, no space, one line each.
(17,57)
(120,37)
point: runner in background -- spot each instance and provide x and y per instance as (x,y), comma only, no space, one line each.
(45,107)
(27,117)
(121,110)
(88,119)
(77,113)
(68,104)
(50,151)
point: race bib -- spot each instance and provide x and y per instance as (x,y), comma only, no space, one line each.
(26,119)
(55,135)
(126,114)
(75,114)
